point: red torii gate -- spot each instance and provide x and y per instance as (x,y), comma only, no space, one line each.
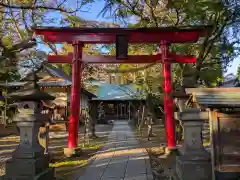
(121,36)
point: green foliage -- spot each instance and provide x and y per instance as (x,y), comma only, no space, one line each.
(79,163)
(214,52)
(90,70)
(238,72)
(16,36)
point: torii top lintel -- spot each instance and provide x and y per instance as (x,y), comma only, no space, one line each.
(135,35)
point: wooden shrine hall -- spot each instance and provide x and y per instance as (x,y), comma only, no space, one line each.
(118,100)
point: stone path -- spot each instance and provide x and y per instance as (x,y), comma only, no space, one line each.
(122,158)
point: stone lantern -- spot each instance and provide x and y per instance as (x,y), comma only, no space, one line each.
(193,161)
(28,160)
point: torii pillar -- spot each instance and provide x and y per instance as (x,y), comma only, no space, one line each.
(168,100)
(75,99)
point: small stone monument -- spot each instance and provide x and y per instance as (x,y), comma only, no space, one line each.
(189,80)
(194,161)
(28,160)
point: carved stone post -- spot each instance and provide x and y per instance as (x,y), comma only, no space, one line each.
(28,160)
(43,137)
(194,161)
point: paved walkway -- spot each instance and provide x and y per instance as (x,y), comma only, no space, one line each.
(121,158)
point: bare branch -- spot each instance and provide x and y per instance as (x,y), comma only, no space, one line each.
(25,22)
(25,44)
(28,7)
(16,25)
(152,13)
(53,48)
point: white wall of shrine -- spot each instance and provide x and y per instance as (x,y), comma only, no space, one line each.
(83,100)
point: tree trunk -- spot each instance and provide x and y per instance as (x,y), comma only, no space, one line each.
(93,128)
(142,118)
(93,119)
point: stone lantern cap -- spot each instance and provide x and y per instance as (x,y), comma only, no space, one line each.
(191,114)
(30,92)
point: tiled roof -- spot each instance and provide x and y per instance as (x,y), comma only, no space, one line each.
(56,72)
(52,71)
(215,97)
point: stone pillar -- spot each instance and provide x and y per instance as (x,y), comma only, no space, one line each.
(194,161)
(28,160)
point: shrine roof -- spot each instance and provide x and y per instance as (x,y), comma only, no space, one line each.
(56,72)
(46,84)
(215,97)
(135,35)
(64,80)
(109,92)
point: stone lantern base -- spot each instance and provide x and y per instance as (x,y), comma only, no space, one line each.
(28,160)
(29,169)
(188,169)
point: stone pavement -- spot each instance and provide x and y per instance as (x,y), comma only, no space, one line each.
(121,158)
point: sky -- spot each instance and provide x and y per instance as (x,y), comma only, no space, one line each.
(92,14)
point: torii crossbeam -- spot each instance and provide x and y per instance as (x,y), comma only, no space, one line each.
(138,59)
(121,36)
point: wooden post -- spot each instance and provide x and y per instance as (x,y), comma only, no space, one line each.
(212,117)
(129,108)
(117,110)
(5,105)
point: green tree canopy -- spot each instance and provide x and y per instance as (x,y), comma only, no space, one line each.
(17,42)
(214,52)
(238,72)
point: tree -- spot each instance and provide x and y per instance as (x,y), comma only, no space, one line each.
(17,41)
(214,52)
(238,72)
(95,71)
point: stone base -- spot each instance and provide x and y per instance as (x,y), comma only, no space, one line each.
(171,150)
(26,167)
(193,169)
(71,152)
(47,174)
(227,175)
